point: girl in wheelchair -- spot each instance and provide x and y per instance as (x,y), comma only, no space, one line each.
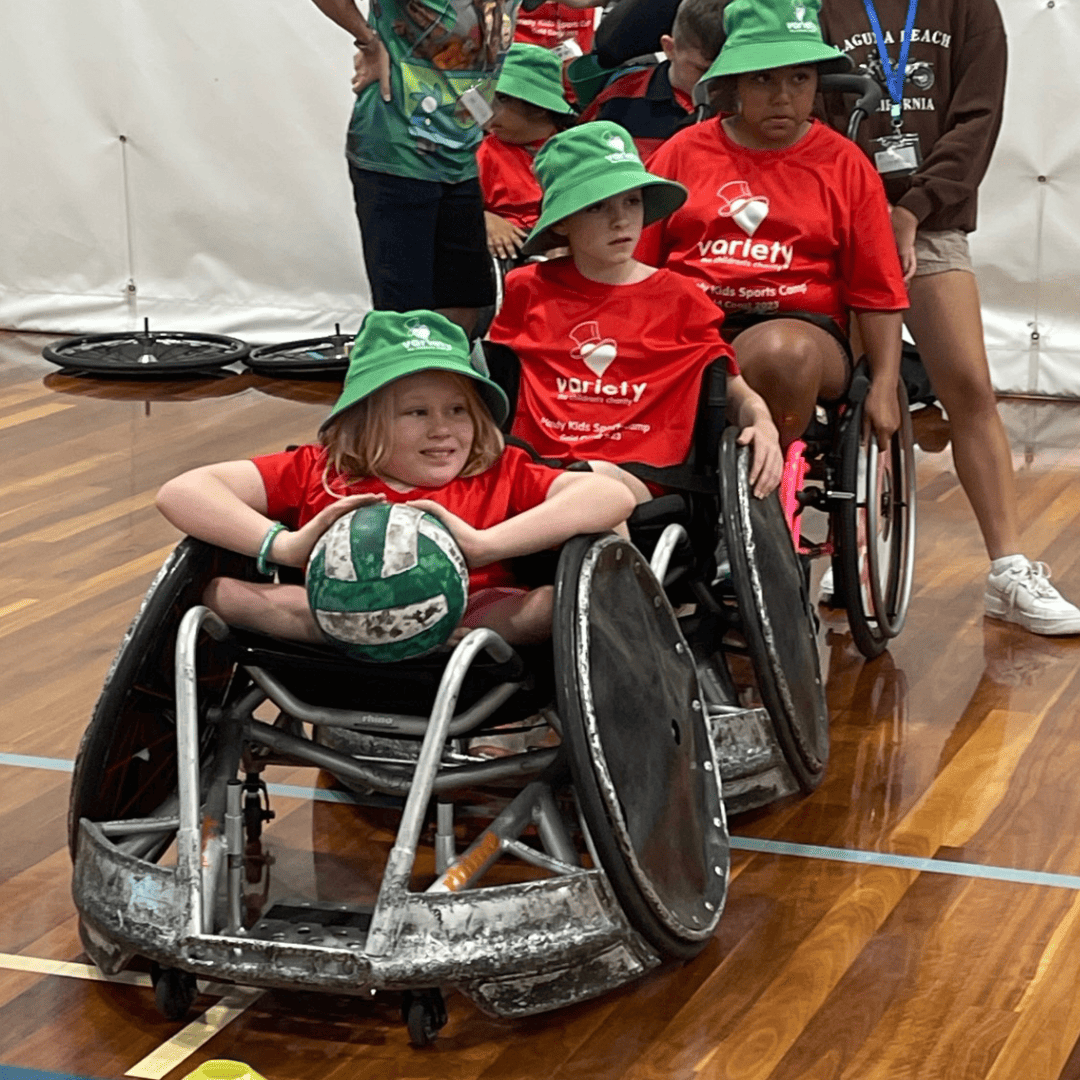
(417,424)
(786,227)
(612,351)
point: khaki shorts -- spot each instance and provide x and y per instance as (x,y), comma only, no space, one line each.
(938,251)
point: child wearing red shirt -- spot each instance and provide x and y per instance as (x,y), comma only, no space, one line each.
(613,351)
(416,424)
(786,227)
(529,108)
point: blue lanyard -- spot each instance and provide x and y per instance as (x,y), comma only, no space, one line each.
(894,77)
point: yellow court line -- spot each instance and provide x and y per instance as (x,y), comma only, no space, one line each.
(40,966)
(199,1032)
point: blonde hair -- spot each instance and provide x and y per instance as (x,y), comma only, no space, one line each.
(359,441)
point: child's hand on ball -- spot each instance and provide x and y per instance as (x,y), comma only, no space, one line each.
(293,548)
(468,538)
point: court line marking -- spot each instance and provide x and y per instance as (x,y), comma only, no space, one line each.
(859,856)
(160,1062)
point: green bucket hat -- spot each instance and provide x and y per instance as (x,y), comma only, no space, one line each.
(586,164)
(587,77)
(534,74)
(391,345)
(763,34)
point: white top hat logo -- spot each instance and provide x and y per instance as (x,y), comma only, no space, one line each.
(616,143)
(595,351)
(740,204)
(419,330)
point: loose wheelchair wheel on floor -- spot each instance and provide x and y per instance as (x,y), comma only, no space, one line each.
(775,616)
(308,359)
(145,353)
(875,531)
(126,767)
(639,750)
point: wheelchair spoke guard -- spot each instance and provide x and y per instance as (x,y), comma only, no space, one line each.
(126,765)
(145,353)
(775,617)
(308,359)
(640,755)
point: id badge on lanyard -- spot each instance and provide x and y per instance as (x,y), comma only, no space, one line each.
(900,154)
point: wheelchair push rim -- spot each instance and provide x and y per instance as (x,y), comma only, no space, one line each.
(774,616)
(145,353)
(309,358)
(640,756)
(877,529)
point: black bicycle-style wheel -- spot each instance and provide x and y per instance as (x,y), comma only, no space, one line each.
(145,353)
(126,767)
(308,359)
(875,535)
(639,751)
(774,616)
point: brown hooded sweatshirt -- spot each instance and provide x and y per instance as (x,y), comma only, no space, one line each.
(953,92)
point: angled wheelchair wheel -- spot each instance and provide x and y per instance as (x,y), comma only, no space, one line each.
(775,617)
(145,353)
(875,534)
(308,359)
(639,751)
(126,765)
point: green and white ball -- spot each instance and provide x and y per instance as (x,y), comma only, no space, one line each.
(387,582)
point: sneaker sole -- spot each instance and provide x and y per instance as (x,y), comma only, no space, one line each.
(997,609)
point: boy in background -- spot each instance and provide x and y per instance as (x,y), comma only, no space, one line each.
(652,103)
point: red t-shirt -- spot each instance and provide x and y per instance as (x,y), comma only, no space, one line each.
(611,372)
(806,228)
(552,23)
(515,483)
(507,182)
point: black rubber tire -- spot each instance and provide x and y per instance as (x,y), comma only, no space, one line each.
(308,359)
(775,618)
(145,353)
(608,785)
(175,991)
(875,615)
(126,764)
(424,1013)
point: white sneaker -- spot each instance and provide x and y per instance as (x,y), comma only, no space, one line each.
(1022,593)
(826,588)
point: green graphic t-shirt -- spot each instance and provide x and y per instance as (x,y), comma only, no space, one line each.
(439,50)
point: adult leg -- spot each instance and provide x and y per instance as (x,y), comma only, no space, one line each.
(463,274)
(791,364)
(398,217)
(946,323)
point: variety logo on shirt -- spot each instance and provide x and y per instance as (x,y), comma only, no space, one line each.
(597,353)
(748,211)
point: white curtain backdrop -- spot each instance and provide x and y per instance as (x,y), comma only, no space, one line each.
(183,161)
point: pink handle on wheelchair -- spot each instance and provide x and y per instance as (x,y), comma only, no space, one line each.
(795,467)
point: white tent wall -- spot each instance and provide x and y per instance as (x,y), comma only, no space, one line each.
(226,206)
(177,161)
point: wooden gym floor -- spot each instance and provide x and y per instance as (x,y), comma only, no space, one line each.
(917,917)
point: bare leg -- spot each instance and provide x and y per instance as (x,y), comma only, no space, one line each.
(946,323)
(791,364)
(524,619)
(279,610)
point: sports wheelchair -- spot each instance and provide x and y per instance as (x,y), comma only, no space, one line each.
(728,565)
(580,867)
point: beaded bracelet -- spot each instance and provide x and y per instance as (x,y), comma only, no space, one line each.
(261,563)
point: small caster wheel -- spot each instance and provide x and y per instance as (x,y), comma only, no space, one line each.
(175,991)
(424,1013)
